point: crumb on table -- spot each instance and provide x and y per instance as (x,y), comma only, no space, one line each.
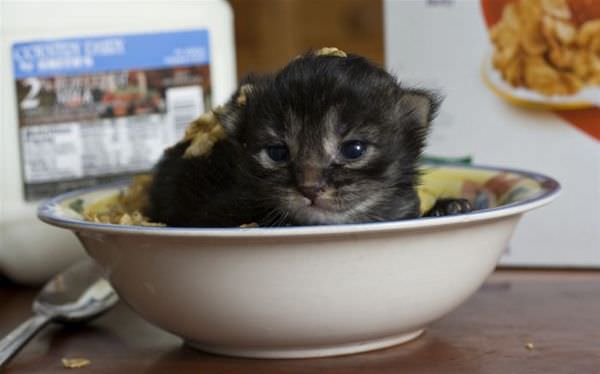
(75,363)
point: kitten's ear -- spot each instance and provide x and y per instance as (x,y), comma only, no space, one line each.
(421,105)
(242,94)
(230,113)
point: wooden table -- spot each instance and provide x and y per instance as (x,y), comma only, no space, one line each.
(558,312)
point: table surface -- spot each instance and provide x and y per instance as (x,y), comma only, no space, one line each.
(556,311)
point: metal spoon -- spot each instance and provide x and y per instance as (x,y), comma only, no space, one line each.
(76,295)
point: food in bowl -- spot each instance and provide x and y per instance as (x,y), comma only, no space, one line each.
(480,189)
(311,291)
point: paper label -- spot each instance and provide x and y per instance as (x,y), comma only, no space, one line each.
(95,109)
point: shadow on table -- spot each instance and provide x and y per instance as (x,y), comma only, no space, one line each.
(422,355)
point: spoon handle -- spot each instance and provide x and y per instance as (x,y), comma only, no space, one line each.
(17,338)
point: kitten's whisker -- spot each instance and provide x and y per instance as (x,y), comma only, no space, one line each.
(270,217)
(275,217)
(282,217)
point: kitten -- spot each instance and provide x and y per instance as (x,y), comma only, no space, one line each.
(328,139)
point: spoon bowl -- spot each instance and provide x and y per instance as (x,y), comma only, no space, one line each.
(76,295)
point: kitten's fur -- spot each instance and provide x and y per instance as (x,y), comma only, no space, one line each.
(312,106)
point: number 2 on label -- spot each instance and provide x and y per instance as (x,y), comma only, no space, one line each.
(31,100)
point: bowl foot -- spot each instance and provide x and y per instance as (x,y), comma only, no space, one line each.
(307,352)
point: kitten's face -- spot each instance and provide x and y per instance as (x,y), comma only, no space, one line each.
(327,144)
(326,172)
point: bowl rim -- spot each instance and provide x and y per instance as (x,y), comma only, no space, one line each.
(48,213)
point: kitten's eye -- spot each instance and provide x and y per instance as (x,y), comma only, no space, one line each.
(353,149)
(278,153)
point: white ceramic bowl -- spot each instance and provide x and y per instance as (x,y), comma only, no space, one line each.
(299,291)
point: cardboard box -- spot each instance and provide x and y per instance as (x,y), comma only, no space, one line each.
(446,45)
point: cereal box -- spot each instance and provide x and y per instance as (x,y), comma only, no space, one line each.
(521,82)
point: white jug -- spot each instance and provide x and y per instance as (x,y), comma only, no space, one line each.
(91,92)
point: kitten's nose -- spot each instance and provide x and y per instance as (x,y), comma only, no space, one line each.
(310,181)
(311,191)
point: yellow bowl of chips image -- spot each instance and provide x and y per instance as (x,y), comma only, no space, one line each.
(545,55)
(587,97)
(308,291)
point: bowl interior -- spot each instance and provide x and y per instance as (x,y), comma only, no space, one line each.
(491,191)
(484,188)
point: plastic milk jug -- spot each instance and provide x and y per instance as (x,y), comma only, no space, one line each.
(92,92)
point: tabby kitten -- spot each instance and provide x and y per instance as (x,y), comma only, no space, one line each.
(326,140)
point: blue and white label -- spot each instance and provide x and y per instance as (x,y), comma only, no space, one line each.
(75,56)
(93,109)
